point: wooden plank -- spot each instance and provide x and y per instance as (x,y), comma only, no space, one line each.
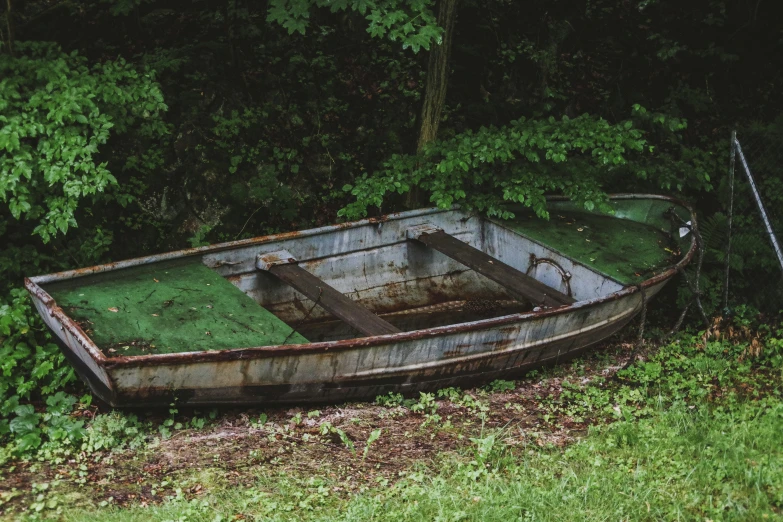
(333,301)
(517,283)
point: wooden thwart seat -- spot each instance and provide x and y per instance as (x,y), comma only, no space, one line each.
(283,266)
(517,283)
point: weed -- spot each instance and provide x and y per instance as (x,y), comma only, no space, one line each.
(426,404)
(374,436)
(115,431)
(466,400)
(500,385)
(431,419)
(258,423)
(170,423)
(327,429)
(390,400)
(346,440)
(452,394)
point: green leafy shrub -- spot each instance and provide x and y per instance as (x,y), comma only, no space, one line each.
(30,364)
(56,114)
(493,168)
(31,429)
(410,22)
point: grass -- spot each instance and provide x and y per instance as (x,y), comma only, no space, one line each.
(691,433)
(683,463)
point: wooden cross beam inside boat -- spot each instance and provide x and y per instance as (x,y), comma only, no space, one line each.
(284,266)
(517,283)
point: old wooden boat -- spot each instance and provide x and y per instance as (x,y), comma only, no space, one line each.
(408,302)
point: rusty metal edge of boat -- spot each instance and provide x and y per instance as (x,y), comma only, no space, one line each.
(219,247)
(32,285)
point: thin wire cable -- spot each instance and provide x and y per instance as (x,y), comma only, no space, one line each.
(760,204)
(730,215)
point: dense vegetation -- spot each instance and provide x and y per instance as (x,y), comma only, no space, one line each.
(129,127)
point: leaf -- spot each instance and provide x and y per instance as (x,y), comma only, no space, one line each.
(27,443)
(43,369)
(26,421)
(58,118)
(60,402)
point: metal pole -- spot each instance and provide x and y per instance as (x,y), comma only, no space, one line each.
(756,195)
(732,159)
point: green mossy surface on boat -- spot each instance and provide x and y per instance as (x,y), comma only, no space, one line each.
(630,246)
(168,307)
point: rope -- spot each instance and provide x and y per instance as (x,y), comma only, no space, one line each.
(694,288)
(679,321)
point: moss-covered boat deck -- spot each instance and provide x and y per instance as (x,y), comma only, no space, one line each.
(627,251)
(168,307)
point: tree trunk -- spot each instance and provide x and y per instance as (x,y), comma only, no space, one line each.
(9,28)
(437,76)
(435,87)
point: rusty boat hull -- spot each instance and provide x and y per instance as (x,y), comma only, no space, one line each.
(375,263)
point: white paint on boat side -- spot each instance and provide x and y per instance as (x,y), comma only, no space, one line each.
(513,249)
(341,240)
(234,245)
(520,346)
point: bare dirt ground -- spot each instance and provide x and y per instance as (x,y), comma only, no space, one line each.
(236,448)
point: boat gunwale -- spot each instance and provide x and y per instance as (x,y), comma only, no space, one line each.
(231,245)
(259,352)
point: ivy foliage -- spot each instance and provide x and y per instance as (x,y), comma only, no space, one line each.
(56,113)
(410,22)
(30,363)
(520,163)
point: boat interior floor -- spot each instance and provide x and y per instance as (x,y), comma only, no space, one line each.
(420,318)
(359,320)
